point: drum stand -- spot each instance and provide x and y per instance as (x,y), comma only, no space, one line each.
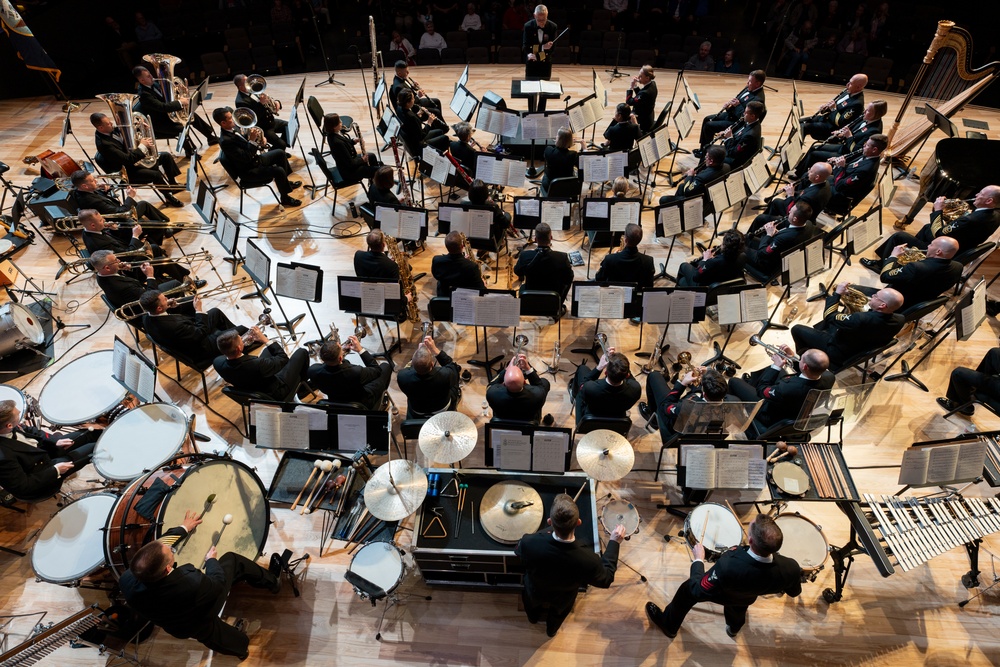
(642,577)
(374,593)
(288,567)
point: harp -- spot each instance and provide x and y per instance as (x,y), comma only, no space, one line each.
(947,80)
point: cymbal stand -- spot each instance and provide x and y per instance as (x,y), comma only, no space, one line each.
(603,544)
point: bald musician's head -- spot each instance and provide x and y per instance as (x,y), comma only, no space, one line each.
(886,300)
(857,83)
(988,197)
(819,172)
(513,379)
(376,240)
(453,243)
(943,247)
(813,362)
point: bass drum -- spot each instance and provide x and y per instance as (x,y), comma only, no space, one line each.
(19,328)
(156,502)
(81,391)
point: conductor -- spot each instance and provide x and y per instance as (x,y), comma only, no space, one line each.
(738,577)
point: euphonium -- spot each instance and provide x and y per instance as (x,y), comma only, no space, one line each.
(955,209)
(910,254)
(132,125)
(257,84)
(405,279)
(171,86)
(246,120)
(854,301)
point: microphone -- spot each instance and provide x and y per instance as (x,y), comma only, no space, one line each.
(353,48)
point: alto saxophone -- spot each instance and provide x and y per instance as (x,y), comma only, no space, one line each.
(405,279)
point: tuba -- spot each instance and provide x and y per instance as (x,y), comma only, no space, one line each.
(246,120)
(257,84)
(133,125)
(171,86)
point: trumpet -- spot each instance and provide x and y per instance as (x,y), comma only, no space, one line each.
(683,366)
(257,85)
(426,329)
(263,320)
(774,349)
(520,340)
(246,120)
(361,328)
(601,340)
(179,295)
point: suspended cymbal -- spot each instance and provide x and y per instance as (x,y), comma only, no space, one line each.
(510,510)
(448,437)
(605,455)
(396,497)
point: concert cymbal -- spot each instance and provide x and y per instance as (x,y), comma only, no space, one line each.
(396,496)
(448,437)
(605,455)
(509,511)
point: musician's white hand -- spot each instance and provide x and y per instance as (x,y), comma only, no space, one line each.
(147,269)
(842,287)
(898,250)
(688,379)
(148,143)
(522,363)
(707,255)
(431,346)
(64,467)
(939,204)
(771,228)
(547,45)
(789,190)
(846,132)
(787,350)
(136,231)
(618,534)
(838,162)
(699,551)
(531,57)
(130,191)
(354,344)
(777,359)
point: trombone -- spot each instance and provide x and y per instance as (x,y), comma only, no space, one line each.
(71,223)
(82,265)
(179,295)
(113,181)
(163,261)
(790,359)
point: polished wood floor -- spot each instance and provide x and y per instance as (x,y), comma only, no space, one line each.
(910,618)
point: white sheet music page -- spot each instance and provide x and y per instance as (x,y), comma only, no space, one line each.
(795,264)
(594,167)
(257,263)
(229,228)
(647,151)
(463,306)
(616,164)
(754,304)
(588,300)
(516,450)
(548,451)
(731,468)
(670,219)
(479,223)
(119,359)
(683,121)
(553,212)
(515,174)
(530,208)
(507,309)
(132,369)
(577,118)
(457,100)
(318,418)
(682,306)
(694,213)
(612,302)
(551,87)
(814,257)
(531,126)
(468,106)
(294,428)
(595,110)
(510,124)
(373,298)
(489,169)
(699,471)
(439,165)
(483,118)
(719,195)
(622,213)
(735,189)
(970,461)
(458,217)
(352,432)
(296,283)
(656,307)
(410,224)
(942,464)
(913,470)
(662,142)
(730,309)
(388,219)
(266,422)
(530,87)
(351,289)
(597,208)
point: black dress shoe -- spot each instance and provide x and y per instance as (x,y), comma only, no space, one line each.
(872,264)
(173,201)
(198,284)
(653,613)
(645,410)
(295,184)
(290,201)
(698,153)
(731,633)
(950,405)
(213,140)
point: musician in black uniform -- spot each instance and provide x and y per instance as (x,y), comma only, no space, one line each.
(479,194)
(641,96)
(984,383)
(515,400)
(275,129)
(36,471)
(461,148)
(380,191)
(623,131)
(194,336)
(453,269)
(431,381)
(969,230)
(737,578)
(544,268)
(854,179)
(557,565)
(373,262)
(121,289)
(344,382)
(96,237)
(716,265)
(112,155)
(842,335)
(923,279)
(88,195)
(536,47)
(847,139)
(746,141)
(813,189)
(187,602)
(783,393)
(764,253)
(152,104)
(697,179)
(352,166)
(561,160)
(272,372)
(610,397)
(629,265)
(666,402)
(245,159)
(732,111)
(411,129)
(838,112)
(421,102)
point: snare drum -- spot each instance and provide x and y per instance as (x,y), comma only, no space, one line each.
(140,440)
(715,526)
(9,393)
(790,479)
(81,391)
(804,541)
(380,563)
(19,328)
(620,512)
(190,480)
(71,545)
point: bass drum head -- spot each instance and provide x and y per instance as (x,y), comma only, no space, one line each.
(714,526)
(379,563)
(27,323)
(71,545)
(238,491)
(81,390)
(802,541)
(8,393)
(142,439)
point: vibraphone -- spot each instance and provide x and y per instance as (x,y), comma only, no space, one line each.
(47,641)
(906,532)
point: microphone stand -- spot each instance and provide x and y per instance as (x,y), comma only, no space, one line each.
(614,72)
(322,50)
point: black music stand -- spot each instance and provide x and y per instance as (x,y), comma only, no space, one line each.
(257,264)
(737,304)
(548,449)
(303,282)
(378,298)
(666,306)
(599,300)
(608,216)
(465,310)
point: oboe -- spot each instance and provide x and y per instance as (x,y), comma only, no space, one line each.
(401,175)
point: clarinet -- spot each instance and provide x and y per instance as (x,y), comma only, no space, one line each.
(401,174)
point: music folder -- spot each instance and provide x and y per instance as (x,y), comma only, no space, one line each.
(554,211)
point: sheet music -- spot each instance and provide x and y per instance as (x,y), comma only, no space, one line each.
(862,234)
(594,110)
(913,470)
(550,87)
(266,422)
(516,449)
(463,306)
(392,128)
(694,213)
(588,300)
(683,121)
(756,473)
(662,142)
(793,150)
(351,289)
(497,436)
(669,218)
(719,195)
(622,213)
(597,208)
(497,310)
(457,100)
(281,430)
(532,126)
(699,472)
(970,460)
(758,171)
(795,264)
(886,188)
(612,300)
(318,418)
(682,306)
(479,223)
(594,168)
(258,264)
(731,468)
(735,189)
(229,228)
(554,212)
(730,310)
(601,91)
(410,225)
(490,169)
(510,124)
(529,208)
(616,164)
(516,176)
(440,165)
(814,257)
(373,298)
(577,118)
(754,304)
(388,219)
(132,370)
(119,359)
(942,464)
(656,307)
(974,314)
(548,451)
(297,283)
(531,87)
(352,432)
(647,151)
(468,107)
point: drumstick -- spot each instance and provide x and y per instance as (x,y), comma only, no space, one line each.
(327,467)
(316,466)
(208,505)
(577,496)
(828,481)
(807,454)
(375,526)
(357,525)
